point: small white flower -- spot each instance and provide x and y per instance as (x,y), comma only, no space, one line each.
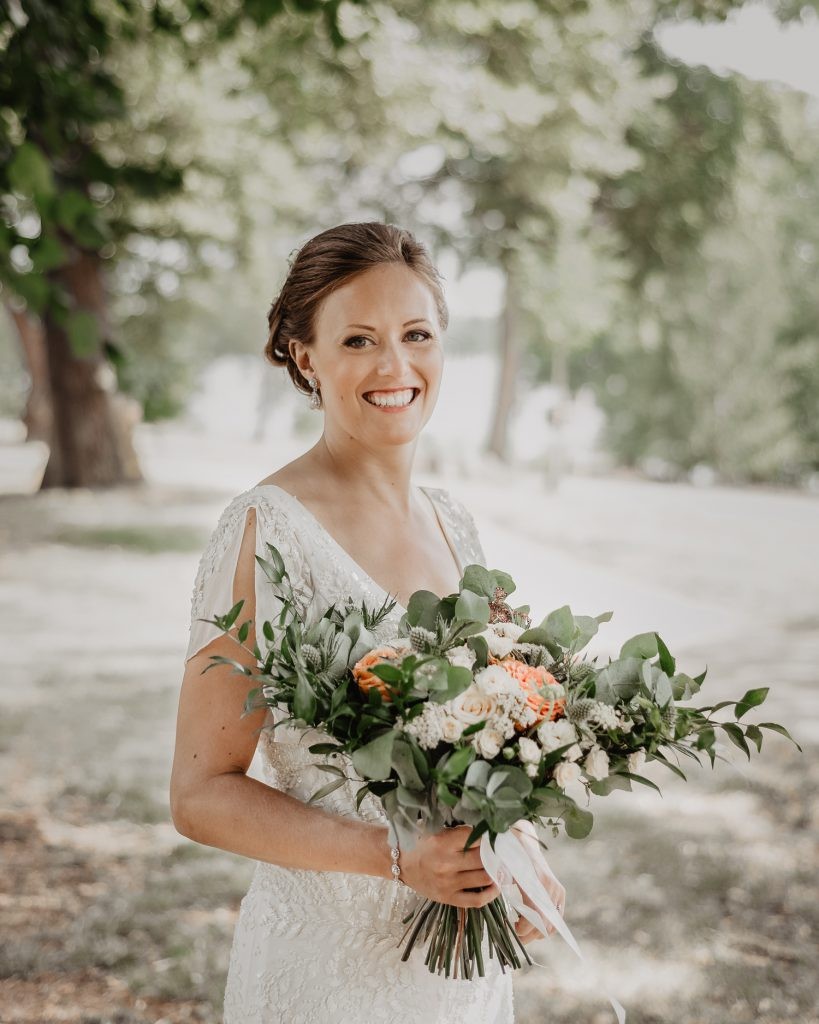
(494,680)
(530,752)
(574,753)
(556,734)
(596,764)
(531,770)
(500,637)
(625,723)
(527,715)
(604,716)
(636,759)
(566,772)
(488,742)
(510,629)
(462,656)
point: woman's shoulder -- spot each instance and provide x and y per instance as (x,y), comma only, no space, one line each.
(273,522)
(268,499)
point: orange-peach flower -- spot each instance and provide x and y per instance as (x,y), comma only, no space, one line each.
(366,679)
(534,681)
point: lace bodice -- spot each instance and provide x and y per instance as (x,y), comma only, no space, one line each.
(285,906)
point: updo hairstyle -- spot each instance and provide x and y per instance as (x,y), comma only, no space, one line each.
(328,261)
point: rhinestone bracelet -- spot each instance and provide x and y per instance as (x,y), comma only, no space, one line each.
(395,867)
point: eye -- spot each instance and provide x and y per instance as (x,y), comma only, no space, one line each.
(357,337)
(424,334)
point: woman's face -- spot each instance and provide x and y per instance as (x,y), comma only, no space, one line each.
(377,338)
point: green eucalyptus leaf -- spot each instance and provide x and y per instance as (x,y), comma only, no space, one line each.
(457,763)
(667,662)
(578,821)
(374,759)
(560,625)
(614,780)
(643,645)
(403,762)
(472,606)
(304,699)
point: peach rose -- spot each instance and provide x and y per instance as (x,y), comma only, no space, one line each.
(535,681)
(366,679)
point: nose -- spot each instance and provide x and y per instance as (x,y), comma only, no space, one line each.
(393,358)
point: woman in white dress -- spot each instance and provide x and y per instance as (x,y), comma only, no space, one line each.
(359,321)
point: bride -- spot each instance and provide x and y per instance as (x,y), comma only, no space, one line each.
(359,325)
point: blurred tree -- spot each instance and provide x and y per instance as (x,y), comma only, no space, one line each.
(68,191)
(713,357)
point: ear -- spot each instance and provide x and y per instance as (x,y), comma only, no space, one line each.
(301,356)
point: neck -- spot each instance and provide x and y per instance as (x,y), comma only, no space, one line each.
(379,475)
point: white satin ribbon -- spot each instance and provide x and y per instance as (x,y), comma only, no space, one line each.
(510,865)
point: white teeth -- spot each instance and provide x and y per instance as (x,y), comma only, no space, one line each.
(391,397)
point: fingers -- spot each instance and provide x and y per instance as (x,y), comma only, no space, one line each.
(475,899)
(473,879)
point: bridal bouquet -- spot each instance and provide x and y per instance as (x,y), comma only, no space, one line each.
(469,714)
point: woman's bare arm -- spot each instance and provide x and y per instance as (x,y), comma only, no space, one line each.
(214,801)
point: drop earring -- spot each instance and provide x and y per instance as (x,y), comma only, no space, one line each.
(315,400)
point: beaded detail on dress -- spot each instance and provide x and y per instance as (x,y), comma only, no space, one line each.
(315,947)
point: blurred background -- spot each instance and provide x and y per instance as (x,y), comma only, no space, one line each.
(623,199)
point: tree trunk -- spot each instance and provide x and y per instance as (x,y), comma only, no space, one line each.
(38,414)
(92,443)
(509,365)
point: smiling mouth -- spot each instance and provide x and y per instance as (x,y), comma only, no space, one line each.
(400,399)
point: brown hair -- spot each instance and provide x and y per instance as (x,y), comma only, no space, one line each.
(328,261)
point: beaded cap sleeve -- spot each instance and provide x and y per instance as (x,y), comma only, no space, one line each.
(461,525)
(213,586)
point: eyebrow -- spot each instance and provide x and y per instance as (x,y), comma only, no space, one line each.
(367,327)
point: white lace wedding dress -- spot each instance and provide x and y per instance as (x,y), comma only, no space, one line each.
(311,947)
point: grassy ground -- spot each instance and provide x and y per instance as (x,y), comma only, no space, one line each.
(699,907)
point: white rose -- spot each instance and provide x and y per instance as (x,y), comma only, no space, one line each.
(530,752)
(556,734)
(470,706)
(566,772)
(451,729)
(493,679)
(636,759)
(531,770)
(596,764)
(574,753)
(488,742)
(462,656)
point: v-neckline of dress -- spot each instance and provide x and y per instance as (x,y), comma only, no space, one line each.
(326,533)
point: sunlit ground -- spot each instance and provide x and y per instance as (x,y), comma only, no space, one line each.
(699,907)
